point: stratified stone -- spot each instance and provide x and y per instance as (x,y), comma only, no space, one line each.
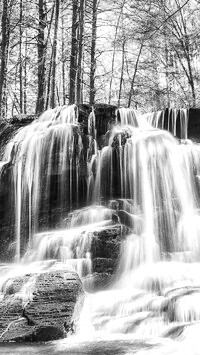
(105,255)
(106,243)
(40,306)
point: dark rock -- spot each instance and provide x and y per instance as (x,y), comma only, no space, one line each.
(105,118)
(194,124)
(23,119)
(105,254)
(40,306)
(103,265)
(106,243)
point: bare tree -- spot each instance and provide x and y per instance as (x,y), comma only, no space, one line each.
(93,52)
(78,89)
(54,52)
(74,53)
(41,46)
(114,49)
(5,29)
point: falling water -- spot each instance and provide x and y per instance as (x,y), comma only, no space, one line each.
(170,122)
(149,180)
(71,245)
(50,146)
(156,174)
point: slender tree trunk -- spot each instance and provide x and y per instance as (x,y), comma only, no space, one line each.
(114,50)
(14,105)
(166,51)
(20,57)
(78,96)
(181,34)
(73,56)
(188,55)
(48,84)
(167,74)
(58,96)
(5,30)
(50,65)
(54,53)
(63,57)
(93,53)
(122,70)
(41,58)
(135,73)
(25,73)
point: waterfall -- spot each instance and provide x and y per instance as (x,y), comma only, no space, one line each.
(174,121)
(71,245)
(158,174)
(140,163)
(143,177)
(46,150)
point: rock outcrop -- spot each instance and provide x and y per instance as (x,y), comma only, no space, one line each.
(105,255)
(40,305)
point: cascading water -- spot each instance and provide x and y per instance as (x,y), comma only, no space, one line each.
(155,172)
(50,146)
(148,180)
(174,121)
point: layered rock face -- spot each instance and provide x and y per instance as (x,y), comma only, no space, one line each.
(40,305)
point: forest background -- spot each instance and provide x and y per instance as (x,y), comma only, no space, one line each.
(143,54)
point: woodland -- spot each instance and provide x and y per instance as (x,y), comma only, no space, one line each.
(142,54)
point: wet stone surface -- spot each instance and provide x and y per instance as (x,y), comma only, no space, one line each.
(40,306)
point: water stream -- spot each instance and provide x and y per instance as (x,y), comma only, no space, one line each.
(146,178)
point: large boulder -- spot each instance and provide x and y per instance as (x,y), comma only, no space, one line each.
(40,305)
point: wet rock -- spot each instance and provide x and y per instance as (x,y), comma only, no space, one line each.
(103,265)
(174,331)
(105,117)
(40,306)
(132,221)
(194,124)
(105,254)
(23,119)
(183,306)
(106,243)
(97,281)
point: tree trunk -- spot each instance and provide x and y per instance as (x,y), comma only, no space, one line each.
(114,50)
(188,55)
(78,96)
(134,74)
(20,57)
(54,52)
(25,74)
(5,29)
(166,51)
(93,53)
(41,46)
(73,56)
(50,64)
(63,56)
(122,70)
